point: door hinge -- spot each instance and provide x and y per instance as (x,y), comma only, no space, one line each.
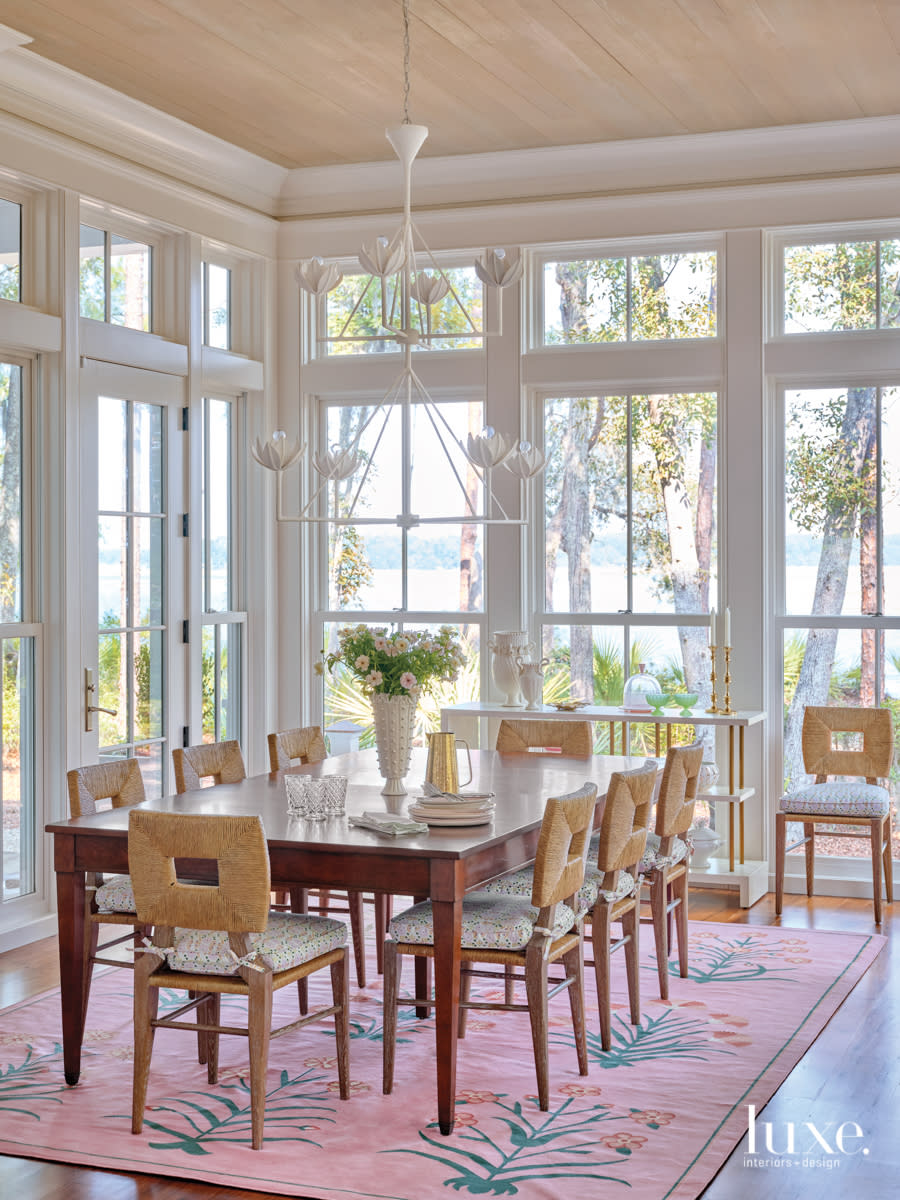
(185,419)
(185,735)
(185,524)
(185,632)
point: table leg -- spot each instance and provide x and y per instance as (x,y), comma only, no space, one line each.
(70,905)
(446,901)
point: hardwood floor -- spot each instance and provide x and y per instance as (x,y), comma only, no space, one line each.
(851,1073)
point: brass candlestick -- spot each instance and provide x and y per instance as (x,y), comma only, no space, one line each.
(713,707)
(728,709)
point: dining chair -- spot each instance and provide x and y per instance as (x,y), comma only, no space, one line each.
(610,892)
(307,745)
(842,803)
(616,854)
(107,901)
(548,737)
(529,932)
(221,762)
(220,940)
(666,860)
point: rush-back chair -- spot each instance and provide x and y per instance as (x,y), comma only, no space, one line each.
(222,762)
(223,939)
(107,901)
(529,932)
(307,745)
(664,867)
(842,802)
(550,737)
(619,848)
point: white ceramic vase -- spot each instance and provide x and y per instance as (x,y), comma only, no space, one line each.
(395,719)
(705,842)
(509,649)
(531,681)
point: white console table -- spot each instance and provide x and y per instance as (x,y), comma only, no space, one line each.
(750,878)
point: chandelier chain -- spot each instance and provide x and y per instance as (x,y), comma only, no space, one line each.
(405,62)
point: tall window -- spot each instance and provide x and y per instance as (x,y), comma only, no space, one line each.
(222,626)
(17,650)
(384,574)
(215,288)
(10,250)
(630,542)
(840,612)
(114,280)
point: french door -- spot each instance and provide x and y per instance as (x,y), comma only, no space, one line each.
(134,556)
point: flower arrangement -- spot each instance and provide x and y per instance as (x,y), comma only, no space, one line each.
(397,664)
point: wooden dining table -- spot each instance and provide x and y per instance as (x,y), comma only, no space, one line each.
(440,865)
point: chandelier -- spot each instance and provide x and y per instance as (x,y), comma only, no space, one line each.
(409,283)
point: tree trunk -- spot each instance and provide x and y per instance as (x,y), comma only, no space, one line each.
(870,601)
(814,679)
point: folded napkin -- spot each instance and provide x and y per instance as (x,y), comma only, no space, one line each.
(431,795)
(387,823)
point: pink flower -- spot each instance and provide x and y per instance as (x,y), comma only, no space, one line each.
(652,1116)
(470,1096)
(374,678)
(623,1141)
(379,643)
(408,680)
(362,663)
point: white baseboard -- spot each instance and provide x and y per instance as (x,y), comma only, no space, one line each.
(31,931)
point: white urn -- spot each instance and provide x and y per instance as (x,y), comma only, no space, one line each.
(705,842)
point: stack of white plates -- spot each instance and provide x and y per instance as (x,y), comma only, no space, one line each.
(473,808)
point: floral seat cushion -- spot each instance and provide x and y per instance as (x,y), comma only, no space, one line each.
(625,885)
(116,895)
(519,883)
(489,922)
(288,940)
(838,798)
(653,859)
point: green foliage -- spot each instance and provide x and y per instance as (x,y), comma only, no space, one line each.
(352,570)
(830,287)
(9,281)
(668,1036)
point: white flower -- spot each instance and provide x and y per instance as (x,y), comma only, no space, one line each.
(408,680)
(374,678)
(401,644)
(362,663)
(380,643)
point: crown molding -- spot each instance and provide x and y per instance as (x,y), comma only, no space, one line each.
(65,102)
(815,151)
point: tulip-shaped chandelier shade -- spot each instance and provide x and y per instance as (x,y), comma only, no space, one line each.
(411,283)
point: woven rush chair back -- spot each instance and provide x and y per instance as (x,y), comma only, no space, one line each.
(569,737)
(821,758)
(240,902)
(220,761)
(563,846)
(119,782)
(306,745)
(626,820)
(678,790)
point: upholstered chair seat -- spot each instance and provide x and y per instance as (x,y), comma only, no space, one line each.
(850,798)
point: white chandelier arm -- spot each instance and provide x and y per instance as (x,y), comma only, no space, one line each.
(473,328)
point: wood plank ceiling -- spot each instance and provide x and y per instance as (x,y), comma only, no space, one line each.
(312,82)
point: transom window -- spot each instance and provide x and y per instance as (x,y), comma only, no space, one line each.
(353,310)
(630,297)
(832,286)
(115,278)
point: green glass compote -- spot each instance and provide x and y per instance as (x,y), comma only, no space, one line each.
(657,701)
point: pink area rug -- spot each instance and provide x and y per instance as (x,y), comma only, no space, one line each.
(656,1117)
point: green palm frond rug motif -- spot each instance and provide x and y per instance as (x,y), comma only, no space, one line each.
(656,1117)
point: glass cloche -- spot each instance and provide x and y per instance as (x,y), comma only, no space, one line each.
(637,687)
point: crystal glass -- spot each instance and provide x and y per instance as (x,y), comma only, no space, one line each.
(315,799)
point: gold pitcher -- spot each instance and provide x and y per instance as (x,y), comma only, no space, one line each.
(442,769)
